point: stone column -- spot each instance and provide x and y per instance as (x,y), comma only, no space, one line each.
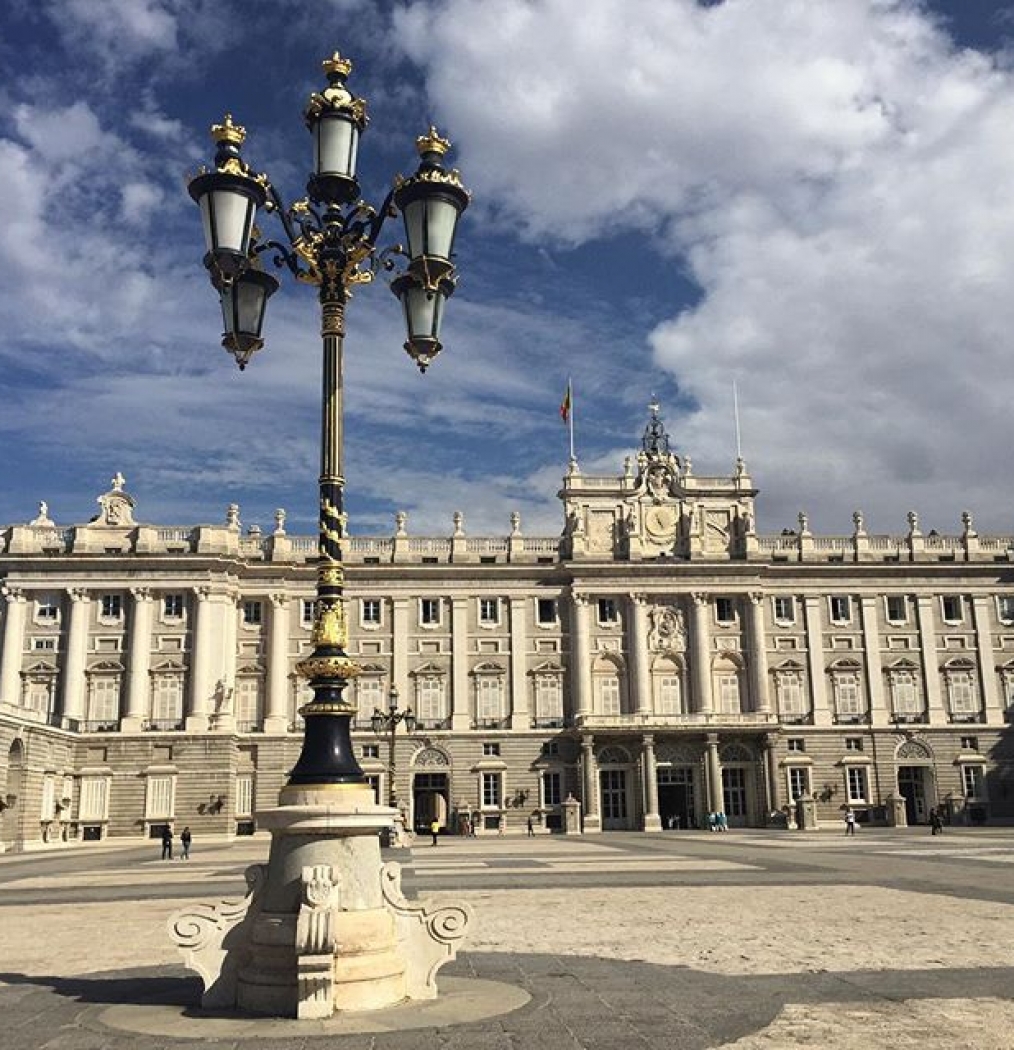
(580,672)
(592,809)
(201,686)
(276,708)
(73,702)
(815,661)
(987,661)
(716,803)
(137,708)
(700,633)
(875,685)
(461,712)
(13,645)
(930,661)
(759,685)
(399,651)
(771,771)
(637,643)
(652,819)
(521,715)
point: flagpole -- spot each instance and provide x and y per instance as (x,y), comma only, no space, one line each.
(735,410)
(570,419)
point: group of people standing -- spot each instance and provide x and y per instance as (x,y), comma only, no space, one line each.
(718,821)
(167,843)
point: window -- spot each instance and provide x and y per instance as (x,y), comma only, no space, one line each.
(47,608)
(104,699)
(728,693)
(489,694)
(370,697)
(489,611)
(853,743)
(491,750)
(789,687)
(44,644)
(94,801)
(39,695)
(1005,608)
(552,789)
(669,697)
(548,698)
(48,811)
(609,694)
(961,693)
(546,611)
(839,608)
(491,793)
(248,702)
(785,610)
(307,612)
(371,612)
(159,798)
(795,743)
(969,743)
(244,796)
(253,613)
(167,701)
(607,611)
(112,607)
(172,607)
(897,608)
(904,693)
(848,701)
(429,706)
(950,606)
(371,750)
(855,777)
(973,780)
(725,610)
(429,611)
(799,782)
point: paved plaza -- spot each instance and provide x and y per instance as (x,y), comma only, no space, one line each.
(750,940)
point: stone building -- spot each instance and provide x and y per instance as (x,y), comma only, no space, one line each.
(659,660)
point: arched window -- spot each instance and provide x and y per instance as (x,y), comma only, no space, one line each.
(608,688)
(728,694)
(667,679)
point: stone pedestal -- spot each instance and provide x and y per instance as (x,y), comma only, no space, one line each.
(806,813)
(897,816)
(324,927)
(571,816)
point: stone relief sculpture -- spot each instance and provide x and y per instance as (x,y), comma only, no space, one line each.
(667,630)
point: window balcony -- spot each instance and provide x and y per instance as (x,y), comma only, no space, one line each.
(961,717)
(549,723)
(489,723)
(107,726)
(255,726)
(431,724)
(164,725)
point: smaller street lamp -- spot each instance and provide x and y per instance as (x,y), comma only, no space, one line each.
(388,721)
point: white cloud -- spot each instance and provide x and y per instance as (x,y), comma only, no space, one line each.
(836,177)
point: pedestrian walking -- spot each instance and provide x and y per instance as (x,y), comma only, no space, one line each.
(936,824)
(435,830)
(850,821)
(167,843)
(531,828)
(723,821)
(185,839)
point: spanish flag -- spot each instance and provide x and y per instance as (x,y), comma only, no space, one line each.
(566,403)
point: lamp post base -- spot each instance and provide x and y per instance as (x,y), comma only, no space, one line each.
(325,927)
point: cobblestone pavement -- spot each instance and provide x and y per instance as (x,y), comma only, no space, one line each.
(749,939)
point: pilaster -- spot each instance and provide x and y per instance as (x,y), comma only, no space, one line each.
(637,644)
(461,716)
(13,644)
(590,768)
(199,700)
(987,661)
(277,700)
(73,702)
(139,676)
(521,716)
(652,819)
(700,640)
(399,649)
(930,661)
(759,689)
(581,669)
(815,660)
(874,670)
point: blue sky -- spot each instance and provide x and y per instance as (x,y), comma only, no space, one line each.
(813,198)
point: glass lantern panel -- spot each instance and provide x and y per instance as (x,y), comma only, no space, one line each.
(430,225)
(250,306)
(336,147)
(231,219)
(420,313)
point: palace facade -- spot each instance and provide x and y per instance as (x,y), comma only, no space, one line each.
(658,661)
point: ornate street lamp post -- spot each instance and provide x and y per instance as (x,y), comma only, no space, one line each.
(388,722)
(331,242)
(325,927)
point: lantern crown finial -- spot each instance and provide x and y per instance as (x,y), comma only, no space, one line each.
(227,131)
(337,66)
(432,142)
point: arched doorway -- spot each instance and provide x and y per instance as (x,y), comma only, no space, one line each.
(739,788)
(916,779)
(431,788)
(678,770)
(12,796)
(615,767)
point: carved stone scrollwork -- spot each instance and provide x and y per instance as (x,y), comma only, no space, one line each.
(212,939)
(668,630)
(316,941)
(431,934)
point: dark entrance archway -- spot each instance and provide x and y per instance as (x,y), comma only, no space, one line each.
(431,794)
(12,795)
